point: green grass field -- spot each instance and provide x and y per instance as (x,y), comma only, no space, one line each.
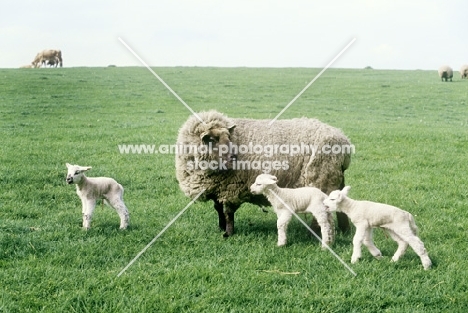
(411,136)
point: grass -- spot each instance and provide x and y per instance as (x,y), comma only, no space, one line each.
(410,132)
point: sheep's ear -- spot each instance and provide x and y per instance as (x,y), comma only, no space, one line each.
(231,127)
(68,165)
(85,168)
(345,190)
(274,178)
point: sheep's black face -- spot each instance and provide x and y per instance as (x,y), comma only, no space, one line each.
(218,147)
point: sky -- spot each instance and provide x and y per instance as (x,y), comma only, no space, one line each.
(390,34)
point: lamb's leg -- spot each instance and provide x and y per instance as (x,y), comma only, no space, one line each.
(84,204)
(90,205)
(284,217)
(369,243)
(357,242)
(323,219)
(121,208)
(418,246)
(402,245)
(221,217)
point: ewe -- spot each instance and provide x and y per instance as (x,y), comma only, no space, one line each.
(445,72)
(90,189)
(366,215)
(301,200)
(227,184)
(464,71)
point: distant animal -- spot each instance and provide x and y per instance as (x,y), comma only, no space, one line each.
(42,57)
(226,181)
(50,63)
(300,200)
(464,71)
(366,215)
(445,72)
(90,189)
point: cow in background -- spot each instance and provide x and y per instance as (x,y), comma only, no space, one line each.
(48,57)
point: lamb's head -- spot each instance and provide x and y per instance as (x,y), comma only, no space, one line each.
(75,173)
(334,199)
(262,183)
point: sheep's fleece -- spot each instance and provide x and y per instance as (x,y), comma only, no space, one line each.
(228,186)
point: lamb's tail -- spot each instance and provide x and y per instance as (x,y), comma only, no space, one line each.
(412,223)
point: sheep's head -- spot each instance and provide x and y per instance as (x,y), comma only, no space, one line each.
(75,173)
(332,202)
(262,182)
(217,140)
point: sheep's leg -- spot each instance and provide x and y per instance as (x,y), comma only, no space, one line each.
(229,211)
(402,245)
(229,217)
(284,217)
(357,242)
(122,210)
(221,217)
(342,218)
(343,222)
(90,205)
(369,243)
(323,219)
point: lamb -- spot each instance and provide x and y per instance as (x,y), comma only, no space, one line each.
(226,159)
(445,72)
(464,71)
(366,215)
(301,200)
(90,189)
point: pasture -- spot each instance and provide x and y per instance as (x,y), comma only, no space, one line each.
(410,132)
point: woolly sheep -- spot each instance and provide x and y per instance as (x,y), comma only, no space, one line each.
(366,215)
(90,189)
(301,200)
(227,183)
(464,71)
(446,72)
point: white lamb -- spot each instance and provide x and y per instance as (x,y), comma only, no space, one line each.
(366,215)
(90,189)
(300,200)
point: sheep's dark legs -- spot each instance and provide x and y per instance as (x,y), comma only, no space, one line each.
(222,219)
(229,224)
(342,219)
(343,222)
(229,211)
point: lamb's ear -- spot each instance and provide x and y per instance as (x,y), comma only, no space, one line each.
(85,168)
(68,165)
(271,180)
(231,127)
(345,190)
